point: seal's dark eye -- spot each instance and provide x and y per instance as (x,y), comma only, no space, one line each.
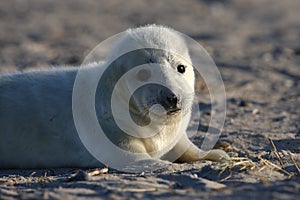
(181,69)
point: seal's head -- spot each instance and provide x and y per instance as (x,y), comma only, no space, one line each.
(160,76)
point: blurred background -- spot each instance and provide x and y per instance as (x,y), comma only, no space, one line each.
(35,33)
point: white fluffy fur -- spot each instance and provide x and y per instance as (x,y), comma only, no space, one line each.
(36,123)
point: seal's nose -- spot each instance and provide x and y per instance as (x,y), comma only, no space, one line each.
(169,101)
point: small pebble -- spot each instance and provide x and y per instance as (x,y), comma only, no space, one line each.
(255,111)
(243,103)
(79,176)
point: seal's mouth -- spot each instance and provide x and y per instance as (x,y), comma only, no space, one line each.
(173,111)
(158,110)
(143,113)
(162,111)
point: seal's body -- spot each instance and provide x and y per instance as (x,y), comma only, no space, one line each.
(36,123)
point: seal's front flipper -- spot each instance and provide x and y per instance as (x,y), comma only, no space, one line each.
(216,155)
(186,151)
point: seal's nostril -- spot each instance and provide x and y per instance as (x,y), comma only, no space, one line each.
(143,74)
(172,100)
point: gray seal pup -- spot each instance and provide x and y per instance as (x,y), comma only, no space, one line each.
(36,124)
